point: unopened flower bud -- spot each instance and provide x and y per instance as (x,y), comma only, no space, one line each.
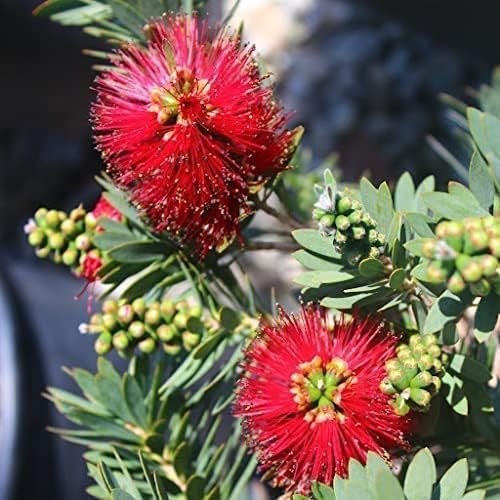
(190,340)
(355,217)
(68,227)
(400,406)
(56,241)
(437,365)
(172,349)
(374,253)
(340,238)
(398,378)
(152,316)
(344,204)
(139,307)
(425,362)
(472,272)
(327,220)
(482,288)
(392,364)
(429,248)
(52,219)
(180,320)
(167,309)
(147,345)
(456,283)
(109,321)
(166,333)
(70,257)
(103,343)
(387,388)
(436,272)
(489,265)
(342,223)
(422,379)
(82,242)
(36,238)
(42,253)
(77,214)
(358,233)
(420,397)
(110,306)
(195,311)
(120,341)
(40,215)
(90,221)
(410,367)
(125,314)
(434,350)
(136,329)
(494,245)
(368,221)
(317,213)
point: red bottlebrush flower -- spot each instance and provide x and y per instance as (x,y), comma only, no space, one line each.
(90,267)
(310,397)
(187,126)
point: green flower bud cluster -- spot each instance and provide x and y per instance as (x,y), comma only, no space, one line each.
(354,230)
(175,326)
(64,238)
(414,376)
(465,254)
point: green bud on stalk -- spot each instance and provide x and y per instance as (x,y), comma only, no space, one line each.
(103,344)
(120,341)
(137,329)
(420,397)
(172,349)
(482,288)
(152,317)
(147,345)
(139,307)
(344,204)
(342,223)
(387,388)
(36,238)
(422,379)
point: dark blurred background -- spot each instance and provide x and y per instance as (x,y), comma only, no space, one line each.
(363,78)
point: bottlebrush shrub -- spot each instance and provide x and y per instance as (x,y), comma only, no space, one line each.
(376,387)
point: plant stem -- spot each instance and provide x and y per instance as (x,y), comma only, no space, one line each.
(283,218)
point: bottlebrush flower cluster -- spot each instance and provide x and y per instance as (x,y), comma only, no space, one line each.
(188,127)
(310,397)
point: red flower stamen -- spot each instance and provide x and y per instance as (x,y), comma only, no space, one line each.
(188,127)
(310,397)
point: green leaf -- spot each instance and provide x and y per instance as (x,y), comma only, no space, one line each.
(448,307)
(470,368)
(371,268)
(452,207)
(182,459)
(480,181)
(378,203)
(208,345)
(394,232)
(229,319)
(317,278)
(322,491)
(195,487)
(109,239)
(316,263)
(397,278)
(419,223)
(454,394)
(312,240)
(475,495)
(404,194)
(140,251)
(415,247)
(121,495)
(387,487)
(453,483)
(486,317)
(134,400)
(420,476)
(426,186)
